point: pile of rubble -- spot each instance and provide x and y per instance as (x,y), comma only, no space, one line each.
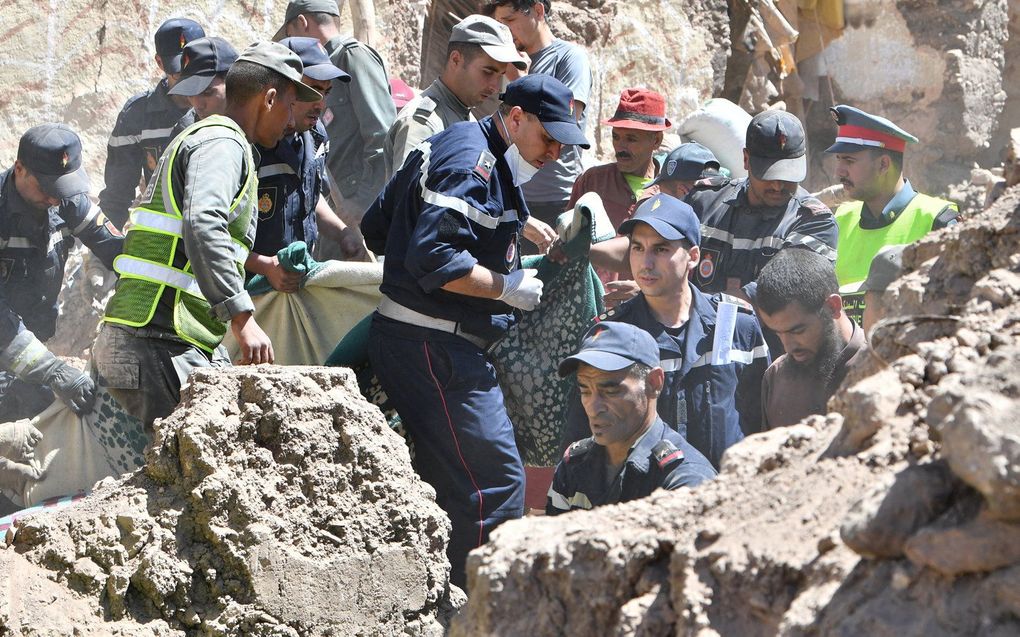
(274,501)
(898,515)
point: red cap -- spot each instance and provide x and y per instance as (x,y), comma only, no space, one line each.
(640,109)
(401,92)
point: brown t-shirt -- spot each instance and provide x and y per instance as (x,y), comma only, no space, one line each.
(788,395)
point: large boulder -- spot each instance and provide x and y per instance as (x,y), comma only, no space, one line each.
(274,501)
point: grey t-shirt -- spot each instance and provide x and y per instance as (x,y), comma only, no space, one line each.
(569,64)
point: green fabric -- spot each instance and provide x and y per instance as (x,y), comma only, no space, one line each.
(635,182)
(293,258)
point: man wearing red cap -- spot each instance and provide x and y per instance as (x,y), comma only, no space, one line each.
(887,211)
(637,127)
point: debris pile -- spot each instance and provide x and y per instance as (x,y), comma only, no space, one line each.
(899,517)
(274,501)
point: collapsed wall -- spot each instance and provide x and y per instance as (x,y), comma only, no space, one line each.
(274,501)
(899,515)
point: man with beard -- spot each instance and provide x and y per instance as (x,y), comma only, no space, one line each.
(290,204)
(798,299)
(887,211)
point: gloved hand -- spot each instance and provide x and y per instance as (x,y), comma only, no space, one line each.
(522,289)
(72,386)
(14,475)
(18,440)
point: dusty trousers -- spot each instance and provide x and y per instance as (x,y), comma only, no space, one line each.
(452,407)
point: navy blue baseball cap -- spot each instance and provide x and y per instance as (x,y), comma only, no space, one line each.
(667,215)
(612,346)
(171,38)
(551,102)
(204,59)
(313,56)
(777,147)
(686,162)
(859,131)
(52,153)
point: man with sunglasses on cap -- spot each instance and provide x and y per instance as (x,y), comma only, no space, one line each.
(44,206)
(291,206)
(477,55)
(144,124)
(631,451)
(449,223)
(711,349)
(182,271)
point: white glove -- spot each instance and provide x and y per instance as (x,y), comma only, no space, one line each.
(522,289)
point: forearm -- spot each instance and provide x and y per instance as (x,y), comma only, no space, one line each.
(612,255)
(480,282)
(329,223)
(259,264)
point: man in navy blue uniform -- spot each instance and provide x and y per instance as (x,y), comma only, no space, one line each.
(631,451)
(450,224)
(291,206)
(203,80)
(44,205)
(711,348)
(143,127)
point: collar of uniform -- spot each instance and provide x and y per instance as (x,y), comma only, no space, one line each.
(159,100)
(741,200)
(496,144)
(892,210)
(440,93)
(700,322)
(335,43)
(641,451)
(21,219)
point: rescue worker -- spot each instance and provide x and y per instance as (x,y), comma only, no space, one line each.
(203,80)
(798,299)
(631,451)
(684,166)
(357,114)
(477,55)
(182,273)
(290,201)
(449,224)
(886,267)
(143,126)
(44,205)
(711,349)
(638,125)
(886,210)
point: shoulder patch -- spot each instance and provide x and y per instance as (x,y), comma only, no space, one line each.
(665,453)
(425,108)
(813,206)
(711,183)
(578,450)
(741,304)
(483,167)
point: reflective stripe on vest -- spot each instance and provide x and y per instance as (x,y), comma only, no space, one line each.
(153,251)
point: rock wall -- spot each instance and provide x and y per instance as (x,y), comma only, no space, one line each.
(274,501)
(899,517)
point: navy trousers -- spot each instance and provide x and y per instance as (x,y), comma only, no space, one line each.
(452,407)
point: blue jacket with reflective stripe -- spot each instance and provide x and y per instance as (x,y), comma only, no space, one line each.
(290,181)
(34,245)
(712,406)
(450,206)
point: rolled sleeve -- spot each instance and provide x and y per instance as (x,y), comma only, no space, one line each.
(213,177)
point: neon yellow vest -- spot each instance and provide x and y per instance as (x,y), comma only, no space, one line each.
(153,257)
(858,246)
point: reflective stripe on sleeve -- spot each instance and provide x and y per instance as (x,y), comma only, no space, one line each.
(471,213)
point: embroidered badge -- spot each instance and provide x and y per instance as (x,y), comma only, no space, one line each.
(483,167)
(327,116)
(266,203)
(511,250)
(707,266)
(64,160)
(671,167)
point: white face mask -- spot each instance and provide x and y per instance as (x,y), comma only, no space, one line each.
(521,170)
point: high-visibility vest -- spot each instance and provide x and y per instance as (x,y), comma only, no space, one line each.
(858,246)
(154,259)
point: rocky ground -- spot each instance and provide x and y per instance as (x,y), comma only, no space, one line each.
(275,501)
(899,517)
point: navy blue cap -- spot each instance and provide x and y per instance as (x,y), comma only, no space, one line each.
(551,102)
(52,153)
(612,346)
(777,147)
(671,218)
(204,59)
(316,61)
(171,38)
(686,162)
(859,131)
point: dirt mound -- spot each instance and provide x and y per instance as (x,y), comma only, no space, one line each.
(274,501)
(898,517)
